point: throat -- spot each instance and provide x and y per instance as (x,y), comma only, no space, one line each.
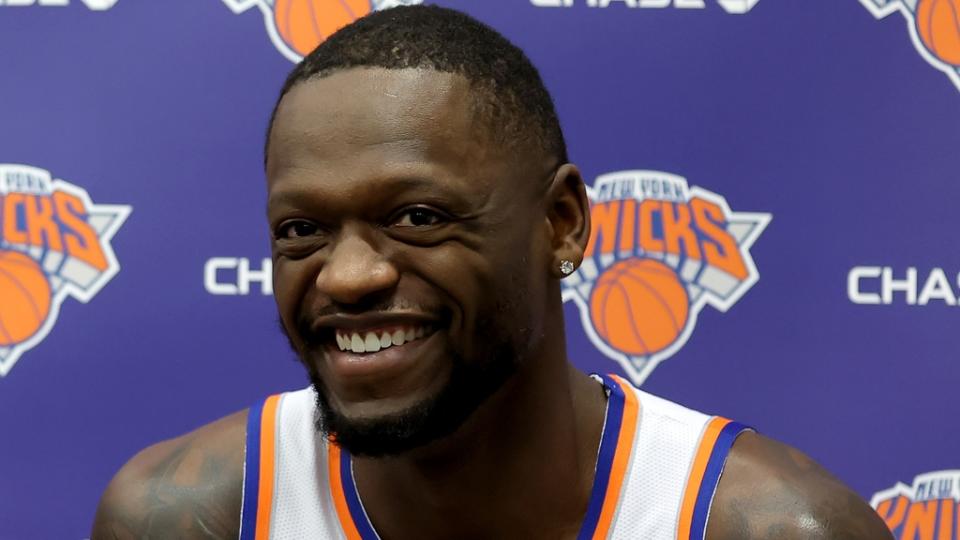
(504,474)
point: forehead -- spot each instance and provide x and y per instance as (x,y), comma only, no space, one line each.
(367,118)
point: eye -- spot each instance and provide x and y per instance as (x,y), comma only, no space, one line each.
(417,217)
(296,229)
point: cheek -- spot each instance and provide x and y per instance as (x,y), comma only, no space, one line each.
(458,280)
(501,320)
(291,284)
(522,296)
(495,299)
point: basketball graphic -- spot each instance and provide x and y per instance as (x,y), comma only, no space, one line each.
(296,27)
(304,24)
(653,262)
(24,297)
(639,306)
(938,24)
(71,258)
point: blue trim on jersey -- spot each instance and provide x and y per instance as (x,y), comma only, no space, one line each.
(608,447)
(359,515)
(711,477)
(251,474)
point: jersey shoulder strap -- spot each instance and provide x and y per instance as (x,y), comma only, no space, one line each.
(287,491)
(715,444)
(675,466)
(258,469)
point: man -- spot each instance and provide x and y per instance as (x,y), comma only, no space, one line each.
(423,213)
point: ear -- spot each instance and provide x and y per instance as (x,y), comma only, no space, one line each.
(568,217)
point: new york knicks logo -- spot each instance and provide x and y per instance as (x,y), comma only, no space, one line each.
(659,251)
(296,27)
(927,510)
(54,243)
(934,27)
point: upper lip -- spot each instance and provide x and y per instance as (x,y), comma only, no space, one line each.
(370,321)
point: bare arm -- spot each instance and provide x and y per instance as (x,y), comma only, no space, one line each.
(188,487)
(772,491)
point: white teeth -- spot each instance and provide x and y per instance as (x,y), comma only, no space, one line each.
(372,342)
(356,343)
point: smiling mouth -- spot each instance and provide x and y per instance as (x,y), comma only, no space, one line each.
(371,341)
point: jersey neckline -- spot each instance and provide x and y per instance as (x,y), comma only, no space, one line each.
(613,459)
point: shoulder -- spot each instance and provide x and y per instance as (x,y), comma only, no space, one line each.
(190,486)
(771,490)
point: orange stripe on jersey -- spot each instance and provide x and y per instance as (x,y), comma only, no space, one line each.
(707,442)
(621,459)
(336,489)
(268,434)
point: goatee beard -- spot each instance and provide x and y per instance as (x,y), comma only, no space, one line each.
(432,419)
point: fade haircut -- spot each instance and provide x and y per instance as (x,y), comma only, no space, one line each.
(511,100)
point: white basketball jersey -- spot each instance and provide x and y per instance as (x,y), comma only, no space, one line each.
(657,470)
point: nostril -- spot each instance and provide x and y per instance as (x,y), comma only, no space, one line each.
(353,269)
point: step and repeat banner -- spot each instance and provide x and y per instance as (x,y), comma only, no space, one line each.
(775,187)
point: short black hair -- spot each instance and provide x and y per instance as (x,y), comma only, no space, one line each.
(512,100)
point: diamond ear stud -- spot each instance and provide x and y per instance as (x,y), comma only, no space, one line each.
(566,267)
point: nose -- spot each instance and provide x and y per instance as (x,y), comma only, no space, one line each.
(355,270)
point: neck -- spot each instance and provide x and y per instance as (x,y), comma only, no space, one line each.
(526,457)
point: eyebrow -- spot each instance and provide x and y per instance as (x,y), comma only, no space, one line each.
(294,196)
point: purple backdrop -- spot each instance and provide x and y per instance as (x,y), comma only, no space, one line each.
(811,145)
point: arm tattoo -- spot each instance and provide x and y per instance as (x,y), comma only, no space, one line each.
(784,495)
(189,493)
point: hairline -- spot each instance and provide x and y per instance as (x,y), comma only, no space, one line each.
(475,90)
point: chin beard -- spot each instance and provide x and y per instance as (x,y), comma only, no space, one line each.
(432,419)
(470,384)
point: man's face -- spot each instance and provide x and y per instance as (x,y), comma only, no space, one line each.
(410,253)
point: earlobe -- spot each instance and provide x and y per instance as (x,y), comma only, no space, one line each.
(568,214)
